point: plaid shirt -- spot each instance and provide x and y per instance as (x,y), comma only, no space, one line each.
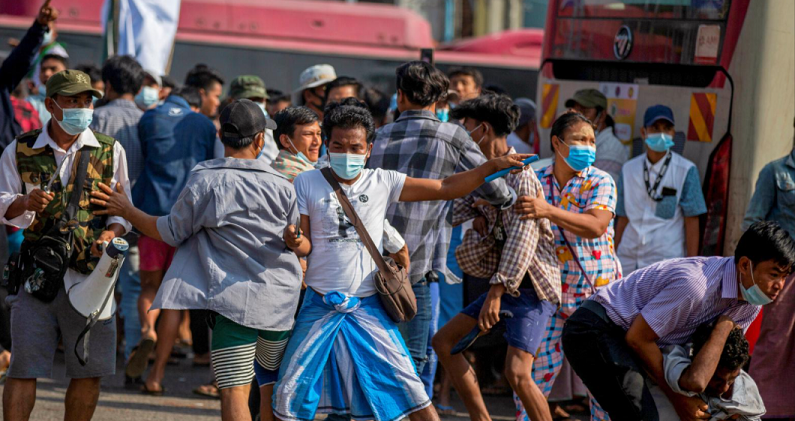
(419,145)
(529,244)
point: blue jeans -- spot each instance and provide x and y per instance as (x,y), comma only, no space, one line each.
(415,333)
(429,373)
(130,283)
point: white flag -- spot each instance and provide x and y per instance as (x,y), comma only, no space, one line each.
(146,30)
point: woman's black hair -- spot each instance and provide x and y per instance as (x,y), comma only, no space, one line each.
(349,113)
(565,122)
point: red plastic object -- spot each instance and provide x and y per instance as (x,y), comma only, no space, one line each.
(752,334)
(716,195)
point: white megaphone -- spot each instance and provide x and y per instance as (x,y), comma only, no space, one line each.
(90,297)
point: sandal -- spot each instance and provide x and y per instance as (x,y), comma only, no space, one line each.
(147,391)
(208,390)
(139,358)
(443,410)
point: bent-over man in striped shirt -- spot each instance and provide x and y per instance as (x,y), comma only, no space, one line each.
(613,341)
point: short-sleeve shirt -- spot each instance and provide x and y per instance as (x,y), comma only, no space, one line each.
(591,188)
(656,229)
(339,260)
(676,296)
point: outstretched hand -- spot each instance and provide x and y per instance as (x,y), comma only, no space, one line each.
(508,161)
(115,203)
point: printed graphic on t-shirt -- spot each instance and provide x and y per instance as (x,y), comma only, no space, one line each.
(345,229)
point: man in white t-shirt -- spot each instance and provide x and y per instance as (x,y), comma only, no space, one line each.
(346,355)
(659,199)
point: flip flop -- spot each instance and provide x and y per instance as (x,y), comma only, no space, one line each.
(444,410)
(139,359)
(207,390)
(146,391)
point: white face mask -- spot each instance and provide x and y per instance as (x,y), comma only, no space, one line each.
(473,131)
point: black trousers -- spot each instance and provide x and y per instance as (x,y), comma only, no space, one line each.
(199,331)
(598,353)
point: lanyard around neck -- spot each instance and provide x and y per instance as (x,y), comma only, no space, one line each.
(652,191)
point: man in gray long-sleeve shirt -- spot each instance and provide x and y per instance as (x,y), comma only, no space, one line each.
(419,145)
(119,118)
(231,258)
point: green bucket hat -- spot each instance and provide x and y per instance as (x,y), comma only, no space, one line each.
(588,98)
(246,87)
(70,83)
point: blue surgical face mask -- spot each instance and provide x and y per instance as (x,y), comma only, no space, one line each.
(347,165)
(443,114)
(147,97)
(754,295)
(300,154)
(659,142)
(580,156)
(75,120)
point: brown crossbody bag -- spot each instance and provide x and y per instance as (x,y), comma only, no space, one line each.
(391,281)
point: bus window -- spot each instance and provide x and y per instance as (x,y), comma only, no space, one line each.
(646,9)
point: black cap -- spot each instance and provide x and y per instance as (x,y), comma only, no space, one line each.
(244,118)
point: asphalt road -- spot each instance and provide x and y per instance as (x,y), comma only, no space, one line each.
(179,403)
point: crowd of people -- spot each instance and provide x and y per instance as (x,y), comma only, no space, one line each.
(262,224)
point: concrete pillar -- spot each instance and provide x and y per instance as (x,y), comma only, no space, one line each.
(763,68)
(515,14)
(496,16)
(479,17)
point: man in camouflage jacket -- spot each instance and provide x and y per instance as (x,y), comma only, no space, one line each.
(38,172)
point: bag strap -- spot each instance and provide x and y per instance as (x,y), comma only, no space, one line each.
(350,212)
(77,190)
(577,259)
(566,240)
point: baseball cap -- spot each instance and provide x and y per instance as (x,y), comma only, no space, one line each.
(588,98)
(70,83)
(244,118)
(155,76)
(657,112)
(527,108)
(248,86)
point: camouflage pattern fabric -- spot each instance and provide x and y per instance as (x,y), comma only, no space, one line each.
(37,166)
